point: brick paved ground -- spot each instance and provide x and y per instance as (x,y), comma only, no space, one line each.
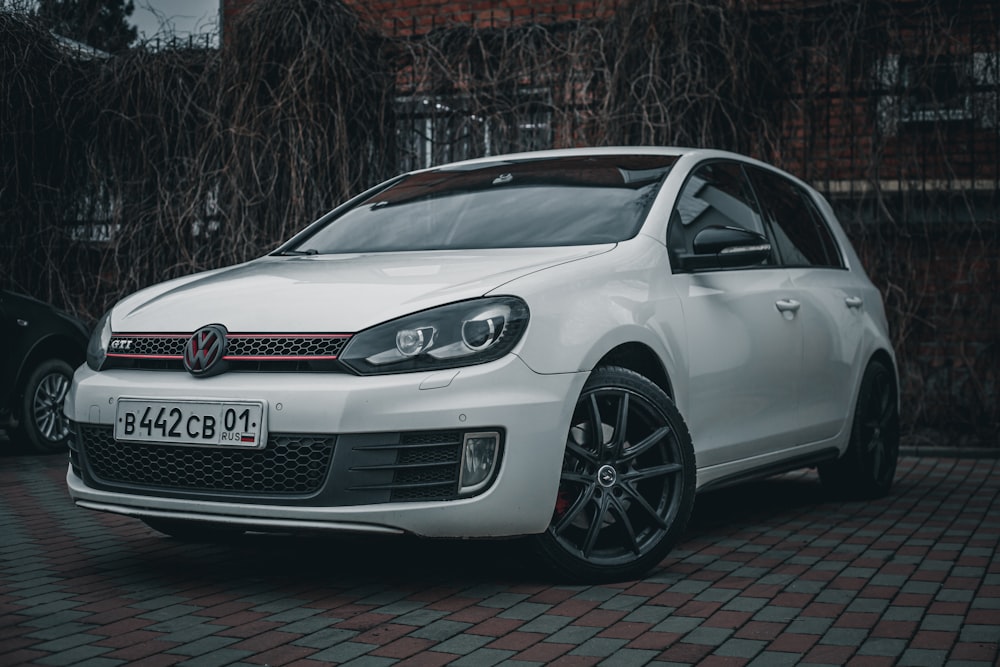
(769,574)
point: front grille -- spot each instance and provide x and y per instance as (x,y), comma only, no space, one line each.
(245,352)
(288,465)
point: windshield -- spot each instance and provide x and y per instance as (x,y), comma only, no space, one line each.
(530,203)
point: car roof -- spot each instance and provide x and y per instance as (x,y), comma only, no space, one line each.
(672,151)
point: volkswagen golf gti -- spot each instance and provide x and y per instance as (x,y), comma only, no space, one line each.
(566,345)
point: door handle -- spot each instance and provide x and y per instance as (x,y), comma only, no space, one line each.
(788,308)
(854,301)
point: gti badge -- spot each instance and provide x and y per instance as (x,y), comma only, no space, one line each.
(205,350)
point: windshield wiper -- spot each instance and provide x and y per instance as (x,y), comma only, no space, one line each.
(309,251)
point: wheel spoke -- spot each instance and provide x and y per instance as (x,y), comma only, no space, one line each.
(596,426)
(877,457)
(638,499)
(647,442)
(576,477)
(566,519)
(581,453)
(595,525)
(619,509)
(62,388)
(650,473)
(621,426)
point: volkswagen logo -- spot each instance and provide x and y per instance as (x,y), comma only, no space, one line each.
(607,476)
(205,350)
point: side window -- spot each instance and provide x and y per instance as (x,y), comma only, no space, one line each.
(716,193)
(800,232)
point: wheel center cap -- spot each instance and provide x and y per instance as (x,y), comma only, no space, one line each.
(607,476)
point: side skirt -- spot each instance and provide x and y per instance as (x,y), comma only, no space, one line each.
(767,470)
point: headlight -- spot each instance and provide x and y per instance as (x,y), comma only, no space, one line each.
(459,334)
(97,348)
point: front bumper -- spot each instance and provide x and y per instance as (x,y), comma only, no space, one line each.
(531,410)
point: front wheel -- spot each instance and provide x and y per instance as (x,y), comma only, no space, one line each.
(867,467)
(627,482)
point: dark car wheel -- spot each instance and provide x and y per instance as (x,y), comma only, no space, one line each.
(867,468)
(193,531)
(627,483)
(43,425)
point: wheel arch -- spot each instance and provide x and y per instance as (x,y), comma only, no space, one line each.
(55,346)
(643,360)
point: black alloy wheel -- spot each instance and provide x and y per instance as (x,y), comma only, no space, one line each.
(868,466)
(627,483)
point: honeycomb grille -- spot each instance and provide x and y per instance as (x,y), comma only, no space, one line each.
(428,466)
(289,465)
(152,346)
(285,346)
(239,345)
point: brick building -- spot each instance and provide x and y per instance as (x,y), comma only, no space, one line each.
(889,107)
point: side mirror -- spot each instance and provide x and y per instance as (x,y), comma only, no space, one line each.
(719,247)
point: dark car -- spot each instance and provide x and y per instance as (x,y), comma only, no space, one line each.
(41,348)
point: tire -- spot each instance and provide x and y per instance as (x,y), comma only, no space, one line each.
(624,502)
(868,465)
(192,531)
(42,423)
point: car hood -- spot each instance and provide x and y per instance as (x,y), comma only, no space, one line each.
(330,293)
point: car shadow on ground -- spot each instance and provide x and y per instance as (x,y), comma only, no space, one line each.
(352,561)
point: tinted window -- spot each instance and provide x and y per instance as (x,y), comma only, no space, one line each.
(716,193)
(799,231)
(532,203)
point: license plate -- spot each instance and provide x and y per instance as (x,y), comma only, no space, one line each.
(213,423)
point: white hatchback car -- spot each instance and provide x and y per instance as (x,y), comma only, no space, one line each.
(566,344)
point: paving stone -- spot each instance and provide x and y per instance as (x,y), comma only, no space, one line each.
(915,657)
(463,644)
(546,624)
(370,661)
(629,657)
(678,624)
(740,648)
(217,658)
(444,629)
(600,647)
(776,659)
(707,636)
(649,613)
(484,657)
(827,583)
(941,622)
(986,634)
(342,652)
(573,634)
(525,611)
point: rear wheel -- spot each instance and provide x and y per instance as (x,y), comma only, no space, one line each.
(867,468)
(627,483)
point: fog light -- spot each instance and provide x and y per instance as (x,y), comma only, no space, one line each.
(479,458)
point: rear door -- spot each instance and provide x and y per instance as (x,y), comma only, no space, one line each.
(831,298)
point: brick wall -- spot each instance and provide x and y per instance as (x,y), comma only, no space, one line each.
(409,17)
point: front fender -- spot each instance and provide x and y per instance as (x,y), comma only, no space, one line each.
(583,309)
